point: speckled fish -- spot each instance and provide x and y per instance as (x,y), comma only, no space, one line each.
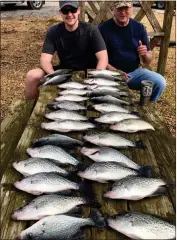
(50,182)
(71,97)
(114,117)
(52,152)
(36,165)
(104,92)
(107,171)
(101,81)
(104,72)
(48,205)
(111,140)
(65,115)
(57,72)
(68,126)
(107,88)
(56,80)
(106,154)
(108,77)
(110,99)
(138,225)
(80,92)
(107,107)
(71,85)
(59,140)
(132,125)
(68,105)
(136,188)
(62,227)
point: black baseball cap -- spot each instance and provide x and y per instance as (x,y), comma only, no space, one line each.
(68,3)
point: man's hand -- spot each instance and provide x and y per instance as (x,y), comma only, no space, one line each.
(126,76)
(142,49)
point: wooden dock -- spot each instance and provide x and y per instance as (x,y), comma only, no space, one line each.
(22,125)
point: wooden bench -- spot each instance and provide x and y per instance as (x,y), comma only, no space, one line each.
(22,125)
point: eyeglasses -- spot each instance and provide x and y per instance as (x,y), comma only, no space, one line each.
(65,11)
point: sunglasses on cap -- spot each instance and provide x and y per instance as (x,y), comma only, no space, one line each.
(65,11)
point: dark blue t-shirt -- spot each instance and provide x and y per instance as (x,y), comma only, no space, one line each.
(122,43)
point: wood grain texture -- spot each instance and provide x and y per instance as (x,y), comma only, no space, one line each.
(12,128)
(159,153)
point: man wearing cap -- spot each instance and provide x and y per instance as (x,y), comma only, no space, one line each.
(79,46)
(127,43)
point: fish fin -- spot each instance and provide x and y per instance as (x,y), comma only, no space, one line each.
(78,236)
(36,193)
(135,113)
(145,171)
(140,144)
(90,108)
(160,191)
(89,194)
(97,218)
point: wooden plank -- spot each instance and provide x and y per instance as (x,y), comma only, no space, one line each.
(82,13)
(168,18)
(13,198)
(141,13)
(155,41)
(151,17)
(90,14)
(103,9)
(12,128)
(93,7)
(155,34)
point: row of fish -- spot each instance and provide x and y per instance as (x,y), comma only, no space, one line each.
(45,171)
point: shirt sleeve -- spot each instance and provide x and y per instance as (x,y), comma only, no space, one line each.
(97,40)
(144,38)
(48,46)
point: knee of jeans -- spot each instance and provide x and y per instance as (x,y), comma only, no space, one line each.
(162,82)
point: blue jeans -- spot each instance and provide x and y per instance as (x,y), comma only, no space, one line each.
(141,74)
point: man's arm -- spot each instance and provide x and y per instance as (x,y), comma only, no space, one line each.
(102,58)
(46,62)
(147,58)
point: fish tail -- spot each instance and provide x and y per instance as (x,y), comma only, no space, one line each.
(97,219)
(145,171)
(52,106)
(90,108)
(135,113)
(89,194)
(140,144)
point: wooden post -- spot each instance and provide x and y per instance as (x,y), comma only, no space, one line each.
(82,14)
(167,23)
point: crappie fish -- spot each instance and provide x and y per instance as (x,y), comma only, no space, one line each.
(68,126)
(138,225)
(132,125)
(106,154)
(115,117)
(107,171)
(111,140)
(48,205)
(104,72)
(73,91)
(97,87)
(32,166)
(63,227)
(56,80)
(57,140)
(52,152)
(110,99)
(57,72)
(71,85)
(106,107)
(136,188)
(68,105)
(101,81)
(65,115)
(50,182)
(71,97)
(104,92)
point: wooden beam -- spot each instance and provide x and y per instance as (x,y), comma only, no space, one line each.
(103,10)
(151,17)
(90,13)
(156,34)
(141,13)
(93,7)
(154,42)
(168,18)
(82,14)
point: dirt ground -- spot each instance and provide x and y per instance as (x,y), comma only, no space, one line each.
(21,44)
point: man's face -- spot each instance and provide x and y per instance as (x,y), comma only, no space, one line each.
(122,14)
(70,14)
